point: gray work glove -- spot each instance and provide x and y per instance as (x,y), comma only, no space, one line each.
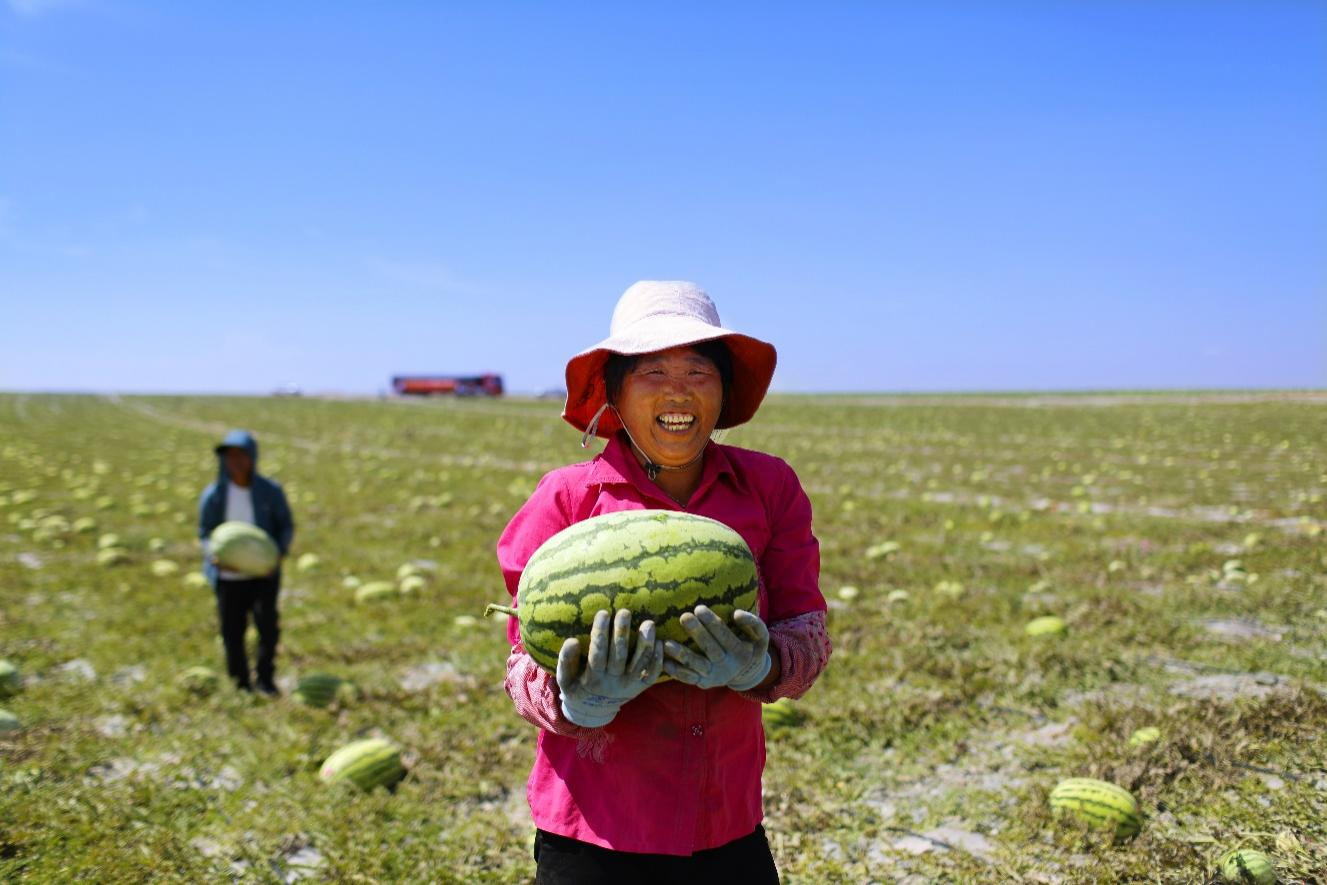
(611,677)
(726,658)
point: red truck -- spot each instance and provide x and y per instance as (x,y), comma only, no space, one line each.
(455,385)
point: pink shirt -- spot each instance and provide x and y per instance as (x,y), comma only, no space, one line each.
(678,769)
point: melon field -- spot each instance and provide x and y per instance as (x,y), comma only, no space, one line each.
(1180,541)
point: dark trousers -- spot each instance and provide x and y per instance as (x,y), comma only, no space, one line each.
(235,601)
(563,861)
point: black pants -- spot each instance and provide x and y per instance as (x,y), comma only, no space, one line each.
(235,600)
(563,861)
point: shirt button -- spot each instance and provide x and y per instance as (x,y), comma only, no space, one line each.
(697,730)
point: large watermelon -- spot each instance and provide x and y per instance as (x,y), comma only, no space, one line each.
(658,564)
(1099,803)
(244,548)
(9,722)
(368,763)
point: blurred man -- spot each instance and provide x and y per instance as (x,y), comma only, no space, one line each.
(240,493)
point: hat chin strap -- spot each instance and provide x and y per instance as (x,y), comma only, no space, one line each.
(651,469)
(592,428)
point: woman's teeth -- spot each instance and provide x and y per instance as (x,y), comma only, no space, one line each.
(676,421)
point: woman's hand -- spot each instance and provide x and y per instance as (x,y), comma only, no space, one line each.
(611,677)
(726,658)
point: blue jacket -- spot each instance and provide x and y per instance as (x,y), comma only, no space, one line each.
(271,512)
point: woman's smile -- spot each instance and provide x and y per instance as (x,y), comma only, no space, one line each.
(675,422)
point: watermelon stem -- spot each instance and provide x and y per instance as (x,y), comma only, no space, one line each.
(505,609)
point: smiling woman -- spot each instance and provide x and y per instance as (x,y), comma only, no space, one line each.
(636,778)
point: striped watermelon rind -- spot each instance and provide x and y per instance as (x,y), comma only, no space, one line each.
(658,564)
(367,763)
(1247,865)
(1098,803)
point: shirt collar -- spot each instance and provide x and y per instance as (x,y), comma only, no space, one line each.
(617,465)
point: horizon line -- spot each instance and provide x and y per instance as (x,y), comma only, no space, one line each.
(551,394)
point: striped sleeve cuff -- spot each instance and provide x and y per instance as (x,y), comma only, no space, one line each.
(535,693)
(803,647)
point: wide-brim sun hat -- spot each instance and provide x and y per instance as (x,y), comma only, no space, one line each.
(655,315)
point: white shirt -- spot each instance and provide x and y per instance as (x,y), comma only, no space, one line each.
(239,508)
(239,504)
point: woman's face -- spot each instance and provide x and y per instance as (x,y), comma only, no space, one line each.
(670,403)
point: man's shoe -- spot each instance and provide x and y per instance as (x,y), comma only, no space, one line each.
(269,689)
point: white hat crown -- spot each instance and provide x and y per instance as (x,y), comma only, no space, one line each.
(662,298)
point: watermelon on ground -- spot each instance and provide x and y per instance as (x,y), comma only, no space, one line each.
(410,568)
(320,689)
(112,556)
(165,568)
(376,591)
(1047,625)
(1247,865)
(199,680)
(1148,734)
(413,584)
(367,763)
(10,680)
(1098,803)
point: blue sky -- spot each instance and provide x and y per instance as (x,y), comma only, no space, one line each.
(227,197)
